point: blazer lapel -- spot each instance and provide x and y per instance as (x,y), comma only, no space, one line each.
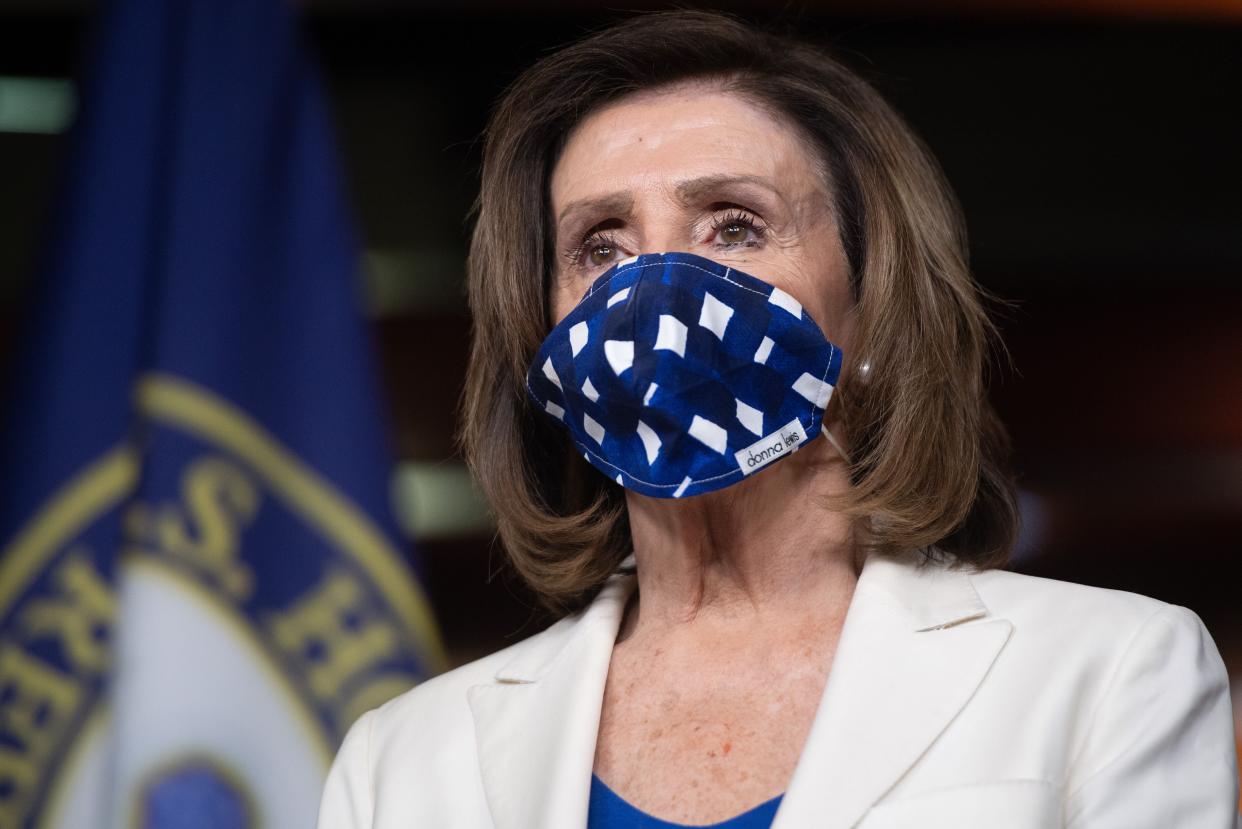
(536,726)
(904,666)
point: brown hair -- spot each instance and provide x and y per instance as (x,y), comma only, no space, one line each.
(927,450)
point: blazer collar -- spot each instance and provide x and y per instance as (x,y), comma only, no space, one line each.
(904,666)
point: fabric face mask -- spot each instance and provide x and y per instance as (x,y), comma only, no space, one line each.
(676,375)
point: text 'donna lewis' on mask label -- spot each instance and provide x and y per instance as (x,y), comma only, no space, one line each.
(780,443)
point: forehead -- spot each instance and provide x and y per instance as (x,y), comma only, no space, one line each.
(654,139)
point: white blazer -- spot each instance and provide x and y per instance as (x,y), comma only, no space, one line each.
(956,699)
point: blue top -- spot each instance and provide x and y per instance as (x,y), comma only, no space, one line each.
(609,811)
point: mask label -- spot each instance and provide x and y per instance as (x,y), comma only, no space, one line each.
(782,442)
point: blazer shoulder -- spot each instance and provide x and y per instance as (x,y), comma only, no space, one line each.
(1055,605)
(1077,629)
(437,708)
(1092,637)
(1147,699)
(425,734)
(1122,695)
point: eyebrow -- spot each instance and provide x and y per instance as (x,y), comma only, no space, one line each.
(697,188)
(617,204)
(621,203)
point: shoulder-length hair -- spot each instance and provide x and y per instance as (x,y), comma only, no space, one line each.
(927,450)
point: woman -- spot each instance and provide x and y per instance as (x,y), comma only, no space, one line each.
(699,246)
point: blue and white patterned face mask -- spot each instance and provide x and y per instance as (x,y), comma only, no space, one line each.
(677,375)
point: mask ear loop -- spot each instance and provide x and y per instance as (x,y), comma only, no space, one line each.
(835,445)
(828,434)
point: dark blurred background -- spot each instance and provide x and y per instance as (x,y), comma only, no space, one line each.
(1096,150)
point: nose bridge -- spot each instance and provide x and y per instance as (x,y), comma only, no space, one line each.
(664,224)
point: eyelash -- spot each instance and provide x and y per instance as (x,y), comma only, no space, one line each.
(738,216)
(592,240)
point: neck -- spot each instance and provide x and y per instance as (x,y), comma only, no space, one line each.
(762,550)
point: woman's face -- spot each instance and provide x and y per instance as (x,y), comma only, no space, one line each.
(695,168)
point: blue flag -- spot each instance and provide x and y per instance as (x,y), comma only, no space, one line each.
(200,584)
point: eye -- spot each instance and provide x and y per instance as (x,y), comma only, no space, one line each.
(596,250)
(734,233)
(601,254)
(738,228)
